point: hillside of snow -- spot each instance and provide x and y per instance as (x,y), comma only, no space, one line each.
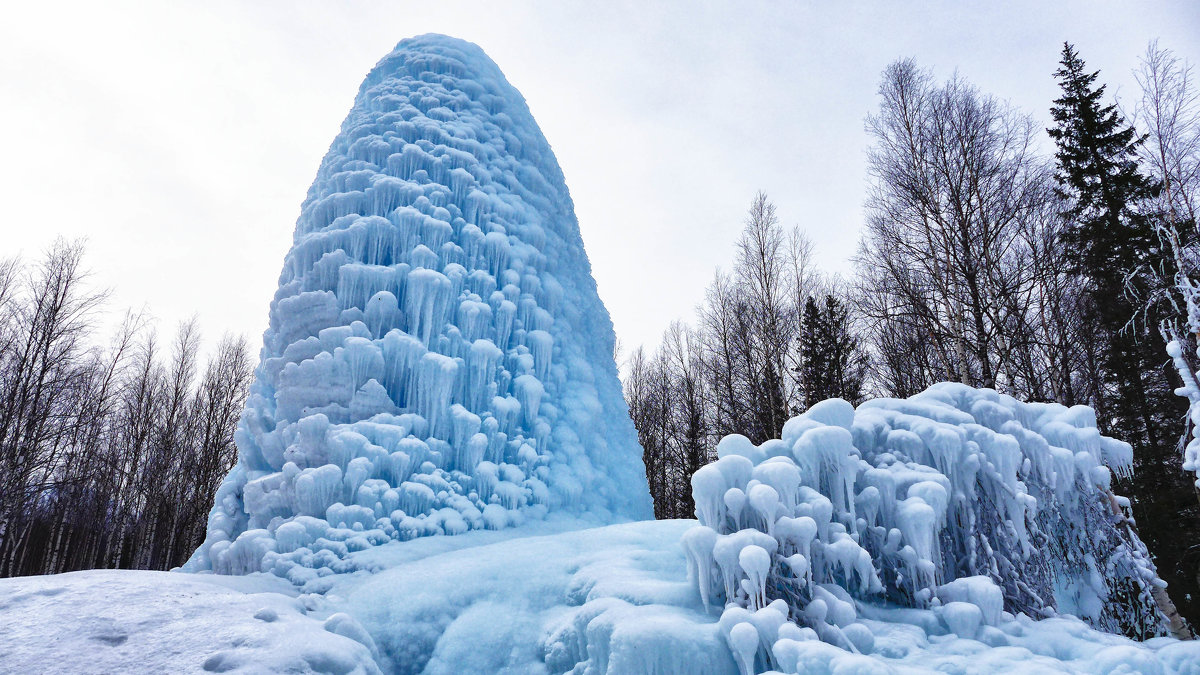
(437,472)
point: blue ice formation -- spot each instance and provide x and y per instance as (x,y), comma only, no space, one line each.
(438,359)
(962,502)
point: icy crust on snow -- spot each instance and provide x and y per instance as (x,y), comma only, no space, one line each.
(437,359)
(962,502)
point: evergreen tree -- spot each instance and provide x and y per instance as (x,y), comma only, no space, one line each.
(1098,172)
(832,363)
(1112,243)
(1112,239)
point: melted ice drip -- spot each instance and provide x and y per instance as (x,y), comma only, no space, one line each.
(437,359)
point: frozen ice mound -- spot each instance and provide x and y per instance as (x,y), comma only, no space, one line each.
(437,359)
(955,510)
(959,530)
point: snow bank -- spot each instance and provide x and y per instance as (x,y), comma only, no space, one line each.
(605,600)
(437,359)
(121,621)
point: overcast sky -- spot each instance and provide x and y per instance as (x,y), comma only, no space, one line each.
(180,138)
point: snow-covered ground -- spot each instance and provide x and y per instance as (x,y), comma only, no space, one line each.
(614,600)
(121,621)
(907,536)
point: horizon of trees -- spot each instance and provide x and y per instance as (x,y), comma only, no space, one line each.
(110,454)
(982,261)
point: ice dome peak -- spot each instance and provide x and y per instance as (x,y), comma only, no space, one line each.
(437,358)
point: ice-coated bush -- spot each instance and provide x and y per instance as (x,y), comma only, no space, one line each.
(958,500)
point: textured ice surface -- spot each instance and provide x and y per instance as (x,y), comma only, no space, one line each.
(962,503)
(437,359)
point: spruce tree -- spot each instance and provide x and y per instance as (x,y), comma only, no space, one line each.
(1097,170)
(1114,245)
(832,362)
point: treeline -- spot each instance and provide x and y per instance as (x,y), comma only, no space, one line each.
(109,455)
(771,338)
(982,261)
